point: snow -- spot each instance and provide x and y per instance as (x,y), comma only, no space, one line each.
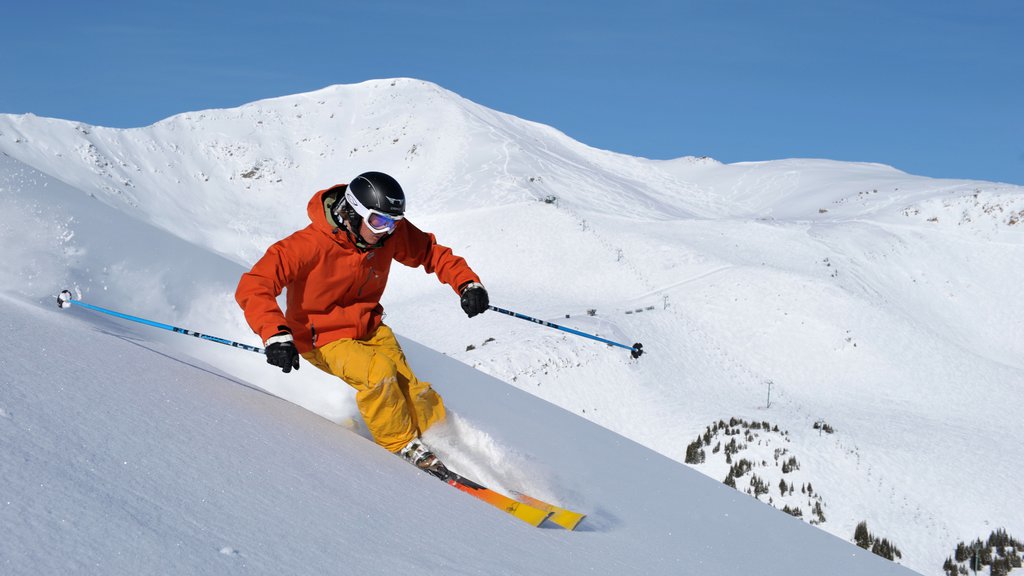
(126,457)
(882,303)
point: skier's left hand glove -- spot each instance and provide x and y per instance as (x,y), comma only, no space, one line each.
(474,298)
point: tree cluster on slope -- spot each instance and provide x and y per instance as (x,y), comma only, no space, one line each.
(1000,552)
(879,546)
(755,475)
(824,427)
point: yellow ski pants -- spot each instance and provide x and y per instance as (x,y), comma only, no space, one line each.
(396,405)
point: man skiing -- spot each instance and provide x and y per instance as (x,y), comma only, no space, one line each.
(335,271)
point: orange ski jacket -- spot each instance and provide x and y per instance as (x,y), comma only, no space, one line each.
(334,289)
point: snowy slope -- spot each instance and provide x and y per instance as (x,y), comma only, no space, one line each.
(122,456)
(880,302)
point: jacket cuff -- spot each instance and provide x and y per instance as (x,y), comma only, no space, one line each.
(270,332)
(280,338)
(464,282)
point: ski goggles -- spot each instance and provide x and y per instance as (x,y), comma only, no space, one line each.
(377,221)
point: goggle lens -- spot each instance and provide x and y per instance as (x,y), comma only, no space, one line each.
(381,223)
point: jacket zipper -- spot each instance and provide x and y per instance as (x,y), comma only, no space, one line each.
(371,273)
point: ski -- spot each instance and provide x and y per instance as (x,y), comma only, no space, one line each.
(523,511)
(563,517)
(531,510)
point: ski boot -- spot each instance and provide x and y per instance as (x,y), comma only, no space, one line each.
(419,455)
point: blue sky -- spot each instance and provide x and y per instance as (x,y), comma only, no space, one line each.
(931,87)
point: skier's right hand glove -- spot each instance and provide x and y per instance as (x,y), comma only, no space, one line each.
(281,352)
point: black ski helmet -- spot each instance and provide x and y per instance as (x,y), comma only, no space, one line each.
(369,191)
(378,191)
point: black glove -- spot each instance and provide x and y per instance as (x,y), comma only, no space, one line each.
(474,298)
(281,352)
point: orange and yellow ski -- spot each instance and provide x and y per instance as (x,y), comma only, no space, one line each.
(563,517)
(524,511)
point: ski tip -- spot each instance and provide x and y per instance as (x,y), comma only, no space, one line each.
(567,519)
(64,299)
(559,516)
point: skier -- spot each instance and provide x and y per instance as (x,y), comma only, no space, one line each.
(335,271)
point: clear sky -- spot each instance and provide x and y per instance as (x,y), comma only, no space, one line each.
(933,87)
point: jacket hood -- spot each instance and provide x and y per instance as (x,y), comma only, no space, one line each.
(319,210)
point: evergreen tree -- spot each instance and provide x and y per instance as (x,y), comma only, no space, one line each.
(886,549)
(759,485)
(998,538)
(862,537)
(962,552)
(694,452)
(819,513)
(790,465)
(881,548)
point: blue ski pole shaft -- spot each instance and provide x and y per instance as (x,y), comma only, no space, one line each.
(65,300)
(635,350)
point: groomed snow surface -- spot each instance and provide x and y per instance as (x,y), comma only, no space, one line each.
(880,303)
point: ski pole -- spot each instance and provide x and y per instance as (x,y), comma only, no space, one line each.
(635,350)
(65,300)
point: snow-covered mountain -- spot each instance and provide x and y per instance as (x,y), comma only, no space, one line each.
(869,317)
